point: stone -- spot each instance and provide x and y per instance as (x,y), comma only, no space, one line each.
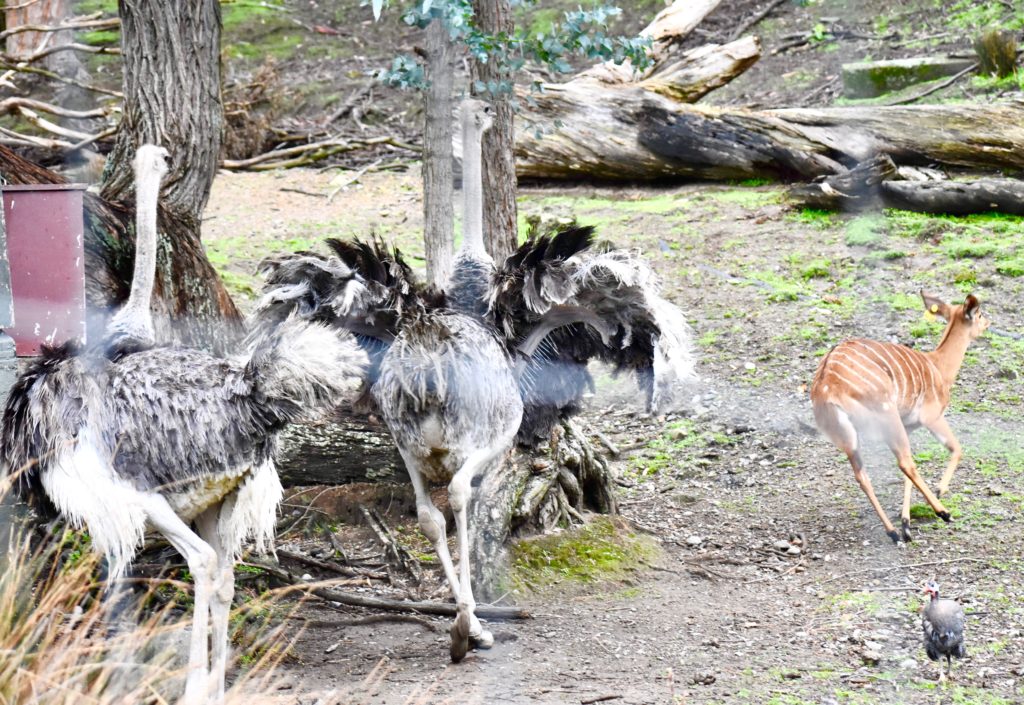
(870,79)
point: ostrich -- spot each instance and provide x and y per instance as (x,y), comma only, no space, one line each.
(120,440)
(502,351)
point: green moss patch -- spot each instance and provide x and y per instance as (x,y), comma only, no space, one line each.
(602,550)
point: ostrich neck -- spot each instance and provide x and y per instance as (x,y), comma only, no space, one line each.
(147,194)
(472,192)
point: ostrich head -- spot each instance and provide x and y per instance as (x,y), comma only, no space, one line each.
(151,161)
(477,115)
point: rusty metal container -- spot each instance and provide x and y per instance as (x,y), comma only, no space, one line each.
(46,254)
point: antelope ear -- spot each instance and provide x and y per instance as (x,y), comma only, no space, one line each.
(971,305)
(936,305)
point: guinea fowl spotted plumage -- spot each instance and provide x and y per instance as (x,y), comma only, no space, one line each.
(943,624)
(502,351)
(125,436)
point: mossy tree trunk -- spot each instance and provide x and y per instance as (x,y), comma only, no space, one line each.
(532,493)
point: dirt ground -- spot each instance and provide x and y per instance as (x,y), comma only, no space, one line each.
(774,582)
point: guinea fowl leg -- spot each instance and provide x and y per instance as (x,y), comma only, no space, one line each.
(209,524)
(202,563)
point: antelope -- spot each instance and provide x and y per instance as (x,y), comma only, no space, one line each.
(864,386)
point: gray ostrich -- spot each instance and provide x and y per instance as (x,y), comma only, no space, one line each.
(503,351)
(123,437)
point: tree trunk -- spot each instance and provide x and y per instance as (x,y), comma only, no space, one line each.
(171,54)
(877,182)
(499,177)
(633,134)
(438,189)
(528,495)
(18,13)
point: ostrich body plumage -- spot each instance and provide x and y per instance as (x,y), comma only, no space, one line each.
(446,390)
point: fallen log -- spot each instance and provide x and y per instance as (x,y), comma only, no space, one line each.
(877,183)
(635,134)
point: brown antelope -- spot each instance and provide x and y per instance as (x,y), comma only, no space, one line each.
(866,386)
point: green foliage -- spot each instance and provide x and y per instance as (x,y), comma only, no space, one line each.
(865,230)
(580,32)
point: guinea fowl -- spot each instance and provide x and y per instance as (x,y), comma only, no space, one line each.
(943,625)
(503,351)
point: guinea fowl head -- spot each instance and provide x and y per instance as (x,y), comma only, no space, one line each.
(931,588)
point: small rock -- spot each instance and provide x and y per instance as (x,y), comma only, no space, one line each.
(694,541)
(678,434)
(749,366)
(994,491)
(782,545)
(793,551)
(704,678)
(908,664)
(869,657)
(307,576)
(1007,373)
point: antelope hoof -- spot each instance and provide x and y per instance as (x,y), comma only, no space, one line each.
(907,536)
(942,491)
(945,516)
(483,640)
(894,536)
(460,637)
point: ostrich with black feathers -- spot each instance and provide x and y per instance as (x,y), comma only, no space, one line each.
(125,436)
(501,353)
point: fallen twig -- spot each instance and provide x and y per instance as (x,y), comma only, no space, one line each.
(314,151)
(372,619)
(599,699)
(23,67)
(938,87)
(348,182)
(443,609)
(885,568)
(288,189)
(9,105)
(330,566)
(376,523)
(73,25)
(754,19)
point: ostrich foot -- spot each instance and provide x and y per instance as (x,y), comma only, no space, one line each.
(482,640)
(460,636)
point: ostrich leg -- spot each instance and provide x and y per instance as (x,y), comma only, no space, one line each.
(202,563)
(431,519)
(467,627)
(209,524)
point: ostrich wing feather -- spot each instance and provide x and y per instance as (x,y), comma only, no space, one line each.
(534,296)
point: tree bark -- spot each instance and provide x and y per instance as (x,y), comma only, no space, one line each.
(22,45)
(171,55)
(527,495)
(877,182)
(499,174)
(634,134)
(438,189)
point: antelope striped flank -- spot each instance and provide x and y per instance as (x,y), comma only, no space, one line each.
(864,385)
